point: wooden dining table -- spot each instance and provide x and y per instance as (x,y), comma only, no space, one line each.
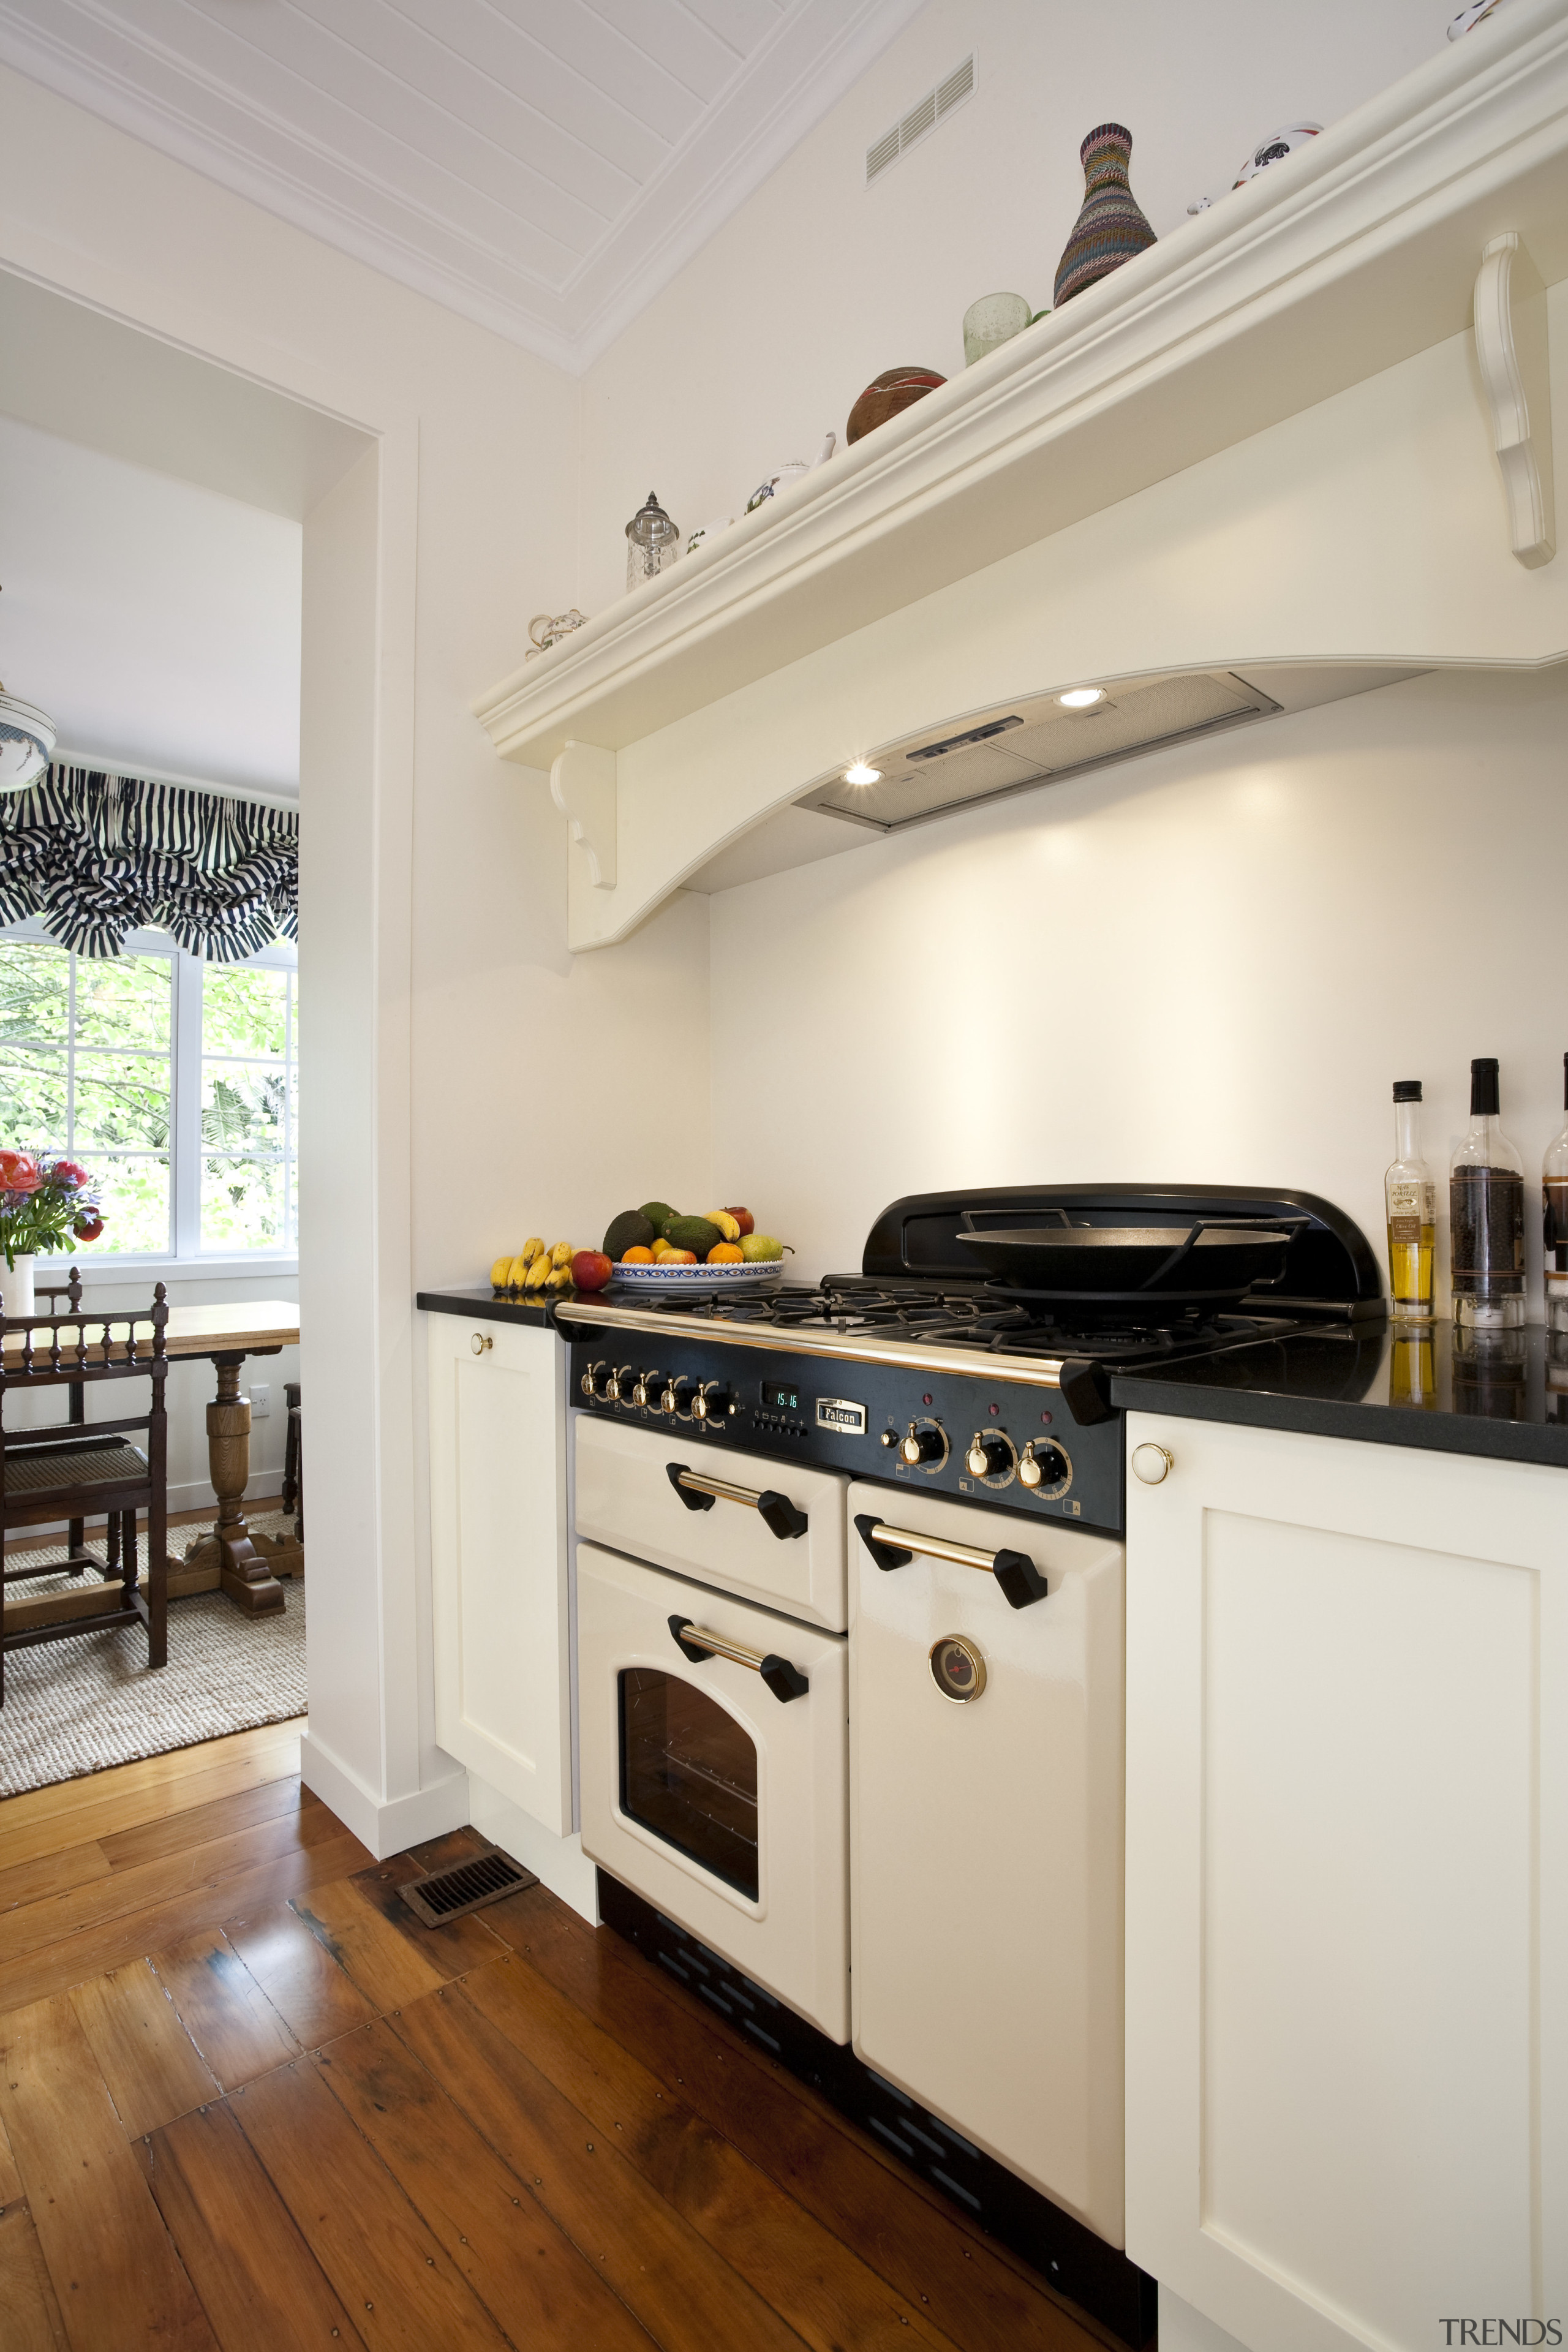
(247,1566)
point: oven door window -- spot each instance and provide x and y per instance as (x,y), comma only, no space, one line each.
(688,1773)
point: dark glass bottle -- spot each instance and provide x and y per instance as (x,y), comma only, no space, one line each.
(1486,1217)
(1554,1222)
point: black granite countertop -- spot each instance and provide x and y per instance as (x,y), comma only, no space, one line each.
(492,1304)
(1506,1398)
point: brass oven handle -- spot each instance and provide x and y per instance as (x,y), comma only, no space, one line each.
(698,1491)
(784,1681)
(1019,1580)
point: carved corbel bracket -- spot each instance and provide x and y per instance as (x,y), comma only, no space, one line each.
(1510,345)
(582,787)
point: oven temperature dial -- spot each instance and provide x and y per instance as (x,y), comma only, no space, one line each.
(992,1456)
(676,1398)
(712,1403)
(1045,1469)
(925,1447)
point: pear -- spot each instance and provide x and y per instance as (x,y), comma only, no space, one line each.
(760,1248)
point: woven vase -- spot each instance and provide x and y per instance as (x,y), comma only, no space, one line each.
(1110,228)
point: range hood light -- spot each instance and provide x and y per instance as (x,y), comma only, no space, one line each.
(861,773)
(1081,698)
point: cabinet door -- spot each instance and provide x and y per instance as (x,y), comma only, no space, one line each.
(498,1509)
(1347,1876)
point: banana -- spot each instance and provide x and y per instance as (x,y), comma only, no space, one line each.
(561,1253)
(500,1274)
(558,1278)
(728,1225)
(538,1269)
(531,1249)
(518,1275)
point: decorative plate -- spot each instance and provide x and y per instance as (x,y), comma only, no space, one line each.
(765,1274)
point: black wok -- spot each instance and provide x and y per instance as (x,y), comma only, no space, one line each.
(1211,1256)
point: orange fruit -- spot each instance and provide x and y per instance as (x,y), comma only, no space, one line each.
(638,1256)
(725,1254)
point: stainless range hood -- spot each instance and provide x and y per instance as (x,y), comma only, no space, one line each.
(1036,741)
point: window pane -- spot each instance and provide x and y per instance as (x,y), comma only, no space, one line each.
(244,1010)
(121,1099)
(135,1195)
(32,1097)
(124,1003)
(242,1203)
(34,983)
(242,1106)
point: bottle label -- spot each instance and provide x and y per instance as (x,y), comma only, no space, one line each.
(1411,1206)
(1486,1230)
(1554,1224)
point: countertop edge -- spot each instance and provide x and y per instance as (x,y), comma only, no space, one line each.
(1445,1432)
(488,1307)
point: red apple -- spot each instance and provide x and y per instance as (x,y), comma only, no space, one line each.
(743,1218)
(591,1269)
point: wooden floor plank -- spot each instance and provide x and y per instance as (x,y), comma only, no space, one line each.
(120,2283)
(223,2009)
(143,2052)
(51,1873)
(684,2293)
(388,2266)
(37,1974)
(200,1824)
(300,1977)
(922,2250)
(455,1946)
(530,2278)
(129,1785)
(10,2179)
(30,2315)
(386,1968)
(259,2284)
(105,1816)
(827,2294)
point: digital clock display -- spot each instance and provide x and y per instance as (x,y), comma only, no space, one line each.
(777,1398)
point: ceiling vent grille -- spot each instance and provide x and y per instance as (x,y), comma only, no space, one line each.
(921,118)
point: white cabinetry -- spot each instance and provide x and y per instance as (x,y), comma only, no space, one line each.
(497,1513)
(1347,1886)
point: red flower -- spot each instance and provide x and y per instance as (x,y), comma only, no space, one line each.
(19,1174)
(67,1176)
(88,1229)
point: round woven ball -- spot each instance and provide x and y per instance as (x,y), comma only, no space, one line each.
(896,389)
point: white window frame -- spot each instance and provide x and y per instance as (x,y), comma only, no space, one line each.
(187,1262)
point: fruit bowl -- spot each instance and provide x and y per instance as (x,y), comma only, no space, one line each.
(765,1274)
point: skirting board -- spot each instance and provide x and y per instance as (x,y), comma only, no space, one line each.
(559,1863)
(1182,2328)
(387,1826)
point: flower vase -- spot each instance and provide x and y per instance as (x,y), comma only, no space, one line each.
(1110,228)
(17,1284)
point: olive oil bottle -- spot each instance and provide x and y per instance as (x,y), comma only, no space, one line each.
(1486,1217)
(1554,1222)
(1411,1198)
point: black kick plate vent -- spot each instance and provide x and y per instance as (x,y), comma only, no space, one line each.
(466,1886)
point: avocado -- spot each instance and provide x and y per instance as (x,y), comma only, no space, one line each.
(658,1213)
(694,1233)
(631,1229)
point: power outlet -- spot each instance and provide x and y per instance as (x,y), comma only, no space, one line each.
(260,1401)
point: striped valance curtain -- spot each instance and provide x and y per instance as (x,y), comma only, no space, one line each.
(96,856)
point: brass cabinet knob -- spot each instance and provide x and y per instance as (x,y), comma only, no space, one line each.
(1152,1463)
(479,1342)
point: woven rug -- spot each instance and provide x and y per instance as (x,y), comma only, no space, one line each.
(80,1705)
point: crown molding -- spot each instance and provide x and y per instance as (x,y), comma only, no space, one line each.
(816,53)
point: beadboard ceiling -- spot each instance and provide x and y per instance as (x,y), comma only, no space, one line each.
(541,166)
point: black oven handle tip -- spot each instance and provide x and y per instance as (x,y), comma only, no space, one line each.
(784,1681)
(699,1492)
(1020,1581)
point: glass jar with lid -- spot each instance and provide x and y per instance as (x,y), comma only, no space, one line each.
(653,542)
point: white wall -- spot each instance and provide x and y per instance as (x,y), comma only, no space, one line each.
(819,283)
(1208,965)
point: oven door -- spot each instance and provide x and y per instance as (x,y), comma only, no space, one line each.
(772,1530)
(986,1830)
(714,1773)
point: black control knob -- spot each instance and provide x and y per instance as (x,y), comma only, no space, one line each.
(924,1446)
(990,1454)
(645,1390)
(712,1403)
(618,1386)
(677,1397)
(1044,1467)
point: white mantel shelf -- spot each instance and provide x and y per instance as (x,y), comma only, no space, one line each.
(1354,254)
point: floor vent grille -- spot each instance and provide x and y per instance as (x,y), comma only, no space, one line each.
(920,120)
(483,1878)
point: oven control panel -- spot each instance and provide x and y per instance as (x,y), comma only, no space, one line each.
(1015,1446)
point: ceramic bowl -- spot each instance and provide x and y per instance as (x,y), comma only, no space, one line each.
(766,1275)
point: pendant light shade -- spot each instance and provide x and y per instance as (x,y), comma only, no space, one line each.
(26,744)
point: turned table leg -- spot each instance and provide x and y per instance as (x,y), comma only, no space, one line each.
(244,1575)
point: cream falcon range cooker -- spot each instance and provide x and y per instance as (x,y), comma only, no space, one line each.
(849,1582)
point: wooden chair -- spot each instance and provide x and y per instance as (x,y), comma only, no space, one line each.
(64,1471)
(293,1495)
